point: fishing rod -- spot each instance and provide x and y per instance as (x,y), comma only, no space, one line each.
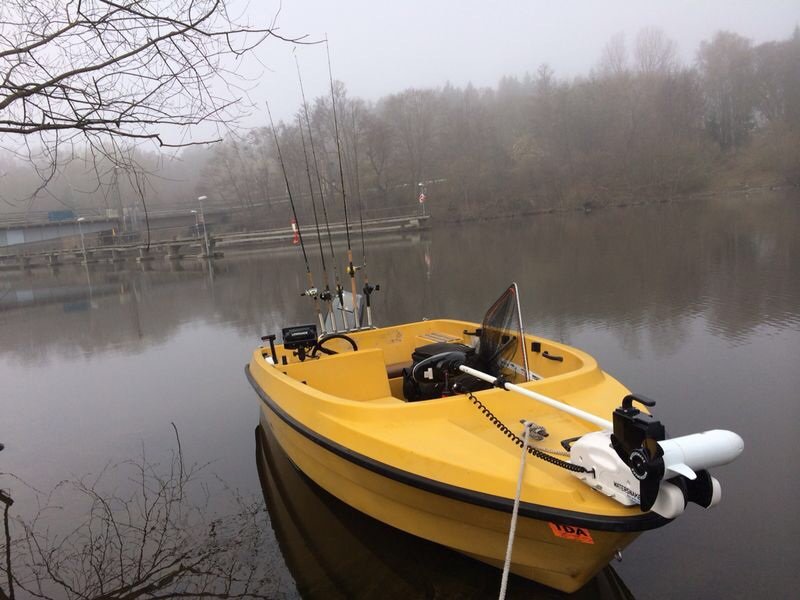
(368,289)
(337,280)
(350,269)
(311,292)
(325,296)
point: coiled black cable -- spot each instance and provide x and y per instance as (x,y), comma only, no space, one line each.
(519,442)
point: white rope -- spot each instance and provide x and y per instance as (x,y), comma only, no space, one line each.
(513,529)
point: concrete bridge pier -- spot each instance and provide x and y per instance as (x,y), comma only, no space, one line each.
(117,255)
(53,259)
(24,261)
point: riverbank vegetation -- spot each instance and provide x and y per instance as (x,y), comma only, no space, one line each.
(641,126)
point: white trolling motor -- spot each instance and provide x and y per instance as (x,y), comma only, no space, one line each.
(631,460)
(636,464)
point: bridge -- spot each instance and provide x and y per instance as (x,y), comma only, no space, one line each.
(99,243)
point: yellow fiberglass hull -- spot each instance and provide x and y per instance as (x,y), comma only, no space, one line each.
(440,469)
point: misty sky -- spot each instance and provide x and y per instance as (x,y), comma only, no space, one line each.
(380,47)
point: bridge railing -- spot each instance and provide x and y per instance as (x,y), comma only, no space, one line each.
(256,217)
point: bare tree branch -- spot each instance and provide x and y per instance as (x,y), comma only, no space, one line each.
(132,70)
(149,532)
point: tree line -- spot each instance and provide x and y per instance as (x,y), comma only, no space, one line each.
(641,126)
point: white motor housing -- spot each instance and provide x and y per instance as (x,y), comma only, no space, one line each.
(689,453)
(606,472)
(683,456)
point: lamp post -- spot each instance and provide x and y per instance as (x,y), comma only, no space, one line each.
(203,216)
(83,245)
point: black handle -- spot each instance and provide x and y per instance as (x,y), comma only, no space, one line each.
(549,356)
(627,401)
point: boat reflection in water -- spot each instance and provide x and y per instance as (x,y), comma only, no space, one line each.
(334,551)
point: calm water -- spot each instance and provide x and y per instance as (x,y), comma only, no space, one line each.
(694,304)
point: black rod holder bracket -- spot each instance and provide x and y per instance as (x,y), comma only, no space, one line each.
(271,339)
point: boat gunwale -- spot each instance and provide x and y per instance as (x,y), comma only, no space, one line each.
(588,366)
(627,524)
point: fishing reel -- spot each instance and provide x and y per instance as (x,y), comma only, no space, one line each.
(637,464)
(310,292)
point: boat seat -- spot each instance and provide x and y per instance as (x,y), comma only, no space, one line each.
(357,375)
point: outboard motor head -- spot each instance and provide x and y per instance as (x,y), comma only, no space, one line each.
(635,438)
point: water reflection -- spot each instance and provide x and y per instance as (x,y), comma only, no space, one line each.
(694,304)
(649,270)
(644,274)
(333,551)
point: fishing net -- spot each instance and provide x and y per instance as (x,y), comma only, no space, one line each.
(501,350)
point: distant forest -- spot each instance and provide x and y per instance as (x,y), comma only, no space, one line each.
(639,127)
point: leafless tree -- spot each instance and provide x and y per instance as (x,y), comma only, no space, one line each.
(412,114)
(727,67)
(378,141)
(655,52)
(159,538)
(110,73)
(638,127)
(614,60)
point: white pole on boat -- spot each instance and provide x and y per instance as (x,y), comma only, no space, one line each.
(571,410)
(522,336)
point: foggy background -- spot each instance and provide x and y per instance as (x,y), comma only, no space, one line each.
(470,74)
(383,47)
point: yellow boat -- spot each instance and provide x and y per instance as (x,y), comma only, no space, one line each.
(448,468)
(312,527)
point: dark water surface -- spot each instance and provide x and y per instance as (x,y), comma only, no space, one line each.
(694,304)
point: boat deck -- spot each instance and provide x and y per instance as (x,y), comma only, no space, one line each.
(356,397)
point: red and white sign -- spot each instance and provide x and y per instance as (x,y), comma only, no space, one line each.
(422,197)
